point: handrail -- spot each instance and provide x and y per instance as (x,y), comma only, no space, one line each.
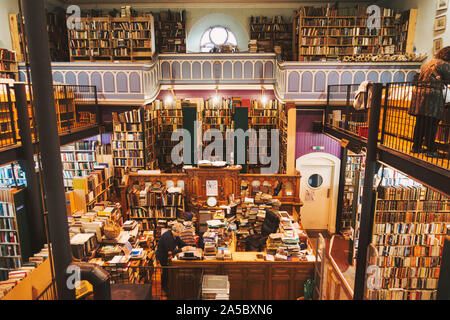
(347,288)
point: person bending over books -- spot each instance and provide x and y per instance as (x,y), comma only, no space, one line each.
(168,246)
(427,103)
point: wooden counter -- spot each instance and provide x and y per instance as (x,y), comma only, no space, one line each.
(250,278)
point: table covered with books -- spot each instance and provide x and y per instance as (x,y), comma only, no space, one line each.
(264,258)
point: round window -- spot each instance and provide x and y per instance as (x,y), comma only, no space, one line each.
(315,180)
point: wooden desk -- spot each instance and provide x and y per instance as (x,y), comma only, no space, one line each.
(250,278)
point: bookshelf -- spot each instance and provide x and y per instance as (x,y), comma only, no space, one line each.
(282,127)
(57,35)
(8,64)
(353,173)
(92,189)
(128,143)
(410,223)
(169,118)
(15,245)
(271,35)
(9,172)
(153,205)
(150,134)
(170,31)
(78,159)
(126,39)
(332,32)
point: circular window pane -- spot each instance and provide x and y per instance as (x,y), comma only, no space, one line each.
(315,180)
(218,35)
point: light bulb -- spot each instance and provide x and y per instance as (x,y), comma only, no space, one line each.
(169,99)
(264,100)
(216,99)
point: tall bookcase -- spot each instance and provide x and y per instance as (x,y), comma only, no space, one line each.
(271,35)
(353,169)
(15,245)
(170,31)
(113,39)
(57,35)
(169,118)
(410,223)
(330,33)
(150,135)
(128,141)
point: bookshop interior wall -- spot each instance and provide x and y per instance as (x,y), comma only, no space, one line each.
(224,152)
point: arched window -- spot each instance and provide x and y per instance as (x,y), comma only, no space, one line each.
(217,36)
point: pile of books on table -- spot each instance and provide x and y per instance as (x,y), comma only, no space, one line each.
(210,245)
(215,287)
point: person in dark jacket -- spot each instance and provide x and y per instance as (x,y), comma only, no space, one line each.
(169,245)
(427,103)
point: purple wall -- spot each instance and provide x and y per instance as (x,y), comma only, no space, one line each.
(306,139)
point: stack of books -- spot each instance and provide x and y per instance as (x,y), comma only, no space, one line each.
(253,45)
(215,287)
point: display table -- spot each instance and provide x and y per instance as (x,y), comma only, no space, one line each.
(250,278)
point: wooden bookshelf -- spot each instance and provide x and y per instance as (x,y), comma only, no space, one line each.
(170,31)
(8,64)
(150,134)
(169,118)
(353,169)
(410,223)
(15,245)
(331,33)
(92,189)
(125,39)
(57,35)
(128,143)
(78,159)
(271,35)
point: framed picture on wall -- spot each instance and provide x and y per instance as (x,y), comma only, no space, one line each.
(437,45)
(442,5)
(440,23)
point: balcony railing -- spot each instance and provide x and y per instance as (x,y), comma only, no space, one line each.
(398,128)
(75,105)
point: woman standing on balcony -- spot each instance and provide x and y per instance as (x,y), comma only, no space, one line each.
(427,103)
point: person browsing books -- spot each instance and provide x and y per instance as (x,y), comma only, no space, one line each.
(169,245)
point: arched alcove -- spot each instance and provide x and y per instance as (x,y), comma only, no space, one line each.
(216,19)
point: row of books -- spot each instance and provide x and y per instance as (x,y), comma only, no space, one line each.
(9,237)
(407,283)
(6,209)
(128,162)
(127,136)
(78,165)
(9,250)
(412,228)
(407,262)
(407,240)
(402,294)
(393,272)
(6,54)
(410,251)
(128,153)
(409,217)
(127,144)
(7,223)
(133,116)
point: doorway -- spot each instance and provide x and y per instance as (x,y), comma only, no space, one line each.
(318,190)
